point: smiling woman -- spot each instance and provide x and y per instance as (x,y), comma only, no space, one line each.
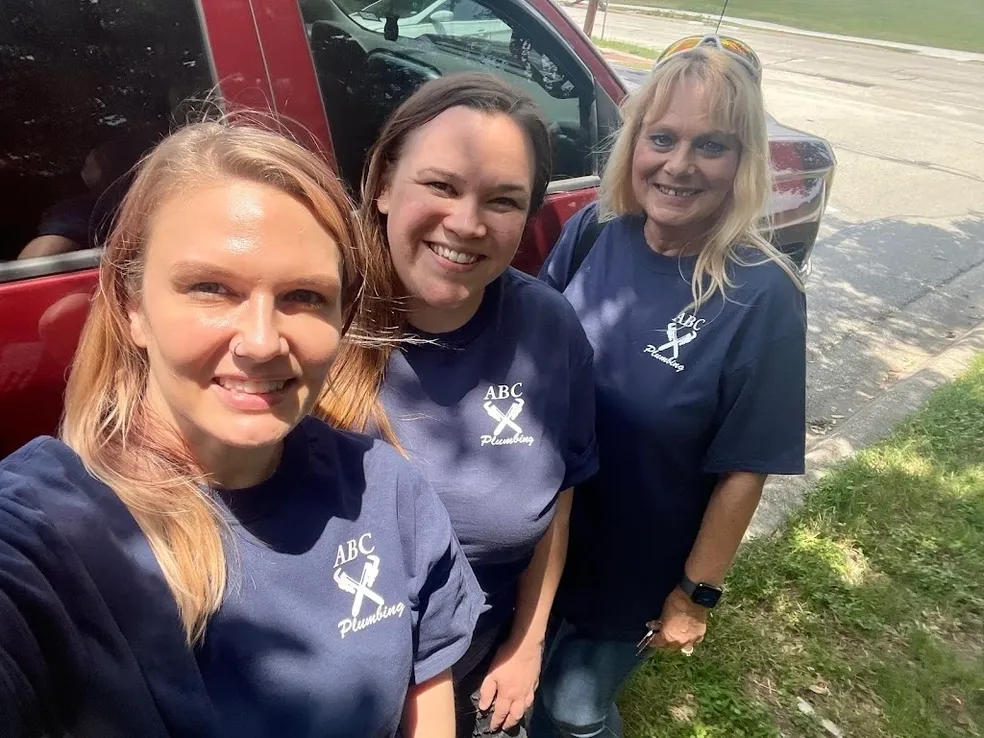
(163,566)
(464,184)
(239,312)
(699,327)
(492,398)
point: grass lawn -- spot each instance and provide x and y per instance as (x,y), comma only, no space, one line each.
(951,24)
(636,49)
(866,611)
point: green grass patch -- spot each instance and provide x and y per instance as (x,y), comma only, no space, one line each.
(647,52)
(868,605)
(950,24)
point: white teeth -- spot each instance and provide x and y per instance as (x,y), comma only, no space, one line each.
(252,388)
(456,256)
(674,192)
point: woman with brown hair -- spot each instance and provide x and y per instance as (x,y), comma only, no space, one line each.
(490,393)
(196,556)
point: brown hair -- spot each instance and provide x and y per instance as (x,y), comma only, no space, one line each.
(351,396)
(106,420)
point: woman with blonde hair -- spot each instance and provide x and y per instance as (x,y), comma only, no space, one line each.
(490,392)
(196,556)
(698,326)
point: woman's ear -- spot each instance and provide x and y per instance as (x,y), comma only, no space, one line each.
(138,327)
(383,201)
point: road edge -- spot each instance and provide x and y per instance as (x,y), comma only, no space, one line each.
(872,423)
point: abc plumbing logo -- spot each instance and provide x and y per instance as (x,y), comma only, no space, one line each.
(669,352)
(504,404)
(361,587)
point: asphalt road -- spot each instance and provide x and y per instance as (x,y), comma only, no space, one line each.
(899,266)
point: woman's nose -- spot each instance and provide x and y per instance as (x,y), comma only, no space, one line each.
(258,337)
(465,219)
(680,161)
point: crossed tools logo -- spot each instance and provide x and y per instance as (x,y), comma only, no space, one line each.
(361,588)
(507,430)
(679,332)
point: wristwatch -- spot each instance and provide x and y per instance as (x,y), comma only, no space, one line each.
(705,595)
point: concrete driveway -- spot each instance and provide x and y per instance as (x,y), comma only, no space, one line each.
(899,267)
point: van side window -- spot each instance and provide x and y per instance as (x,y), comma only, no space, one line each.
(371,56)
(87,88)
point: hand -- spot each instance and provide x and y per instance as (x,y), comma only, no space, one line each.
(510,684)
(682,624)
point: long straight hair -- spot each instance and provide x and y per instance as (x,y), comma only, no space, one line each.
(736,100)
(351,396)
(107,421)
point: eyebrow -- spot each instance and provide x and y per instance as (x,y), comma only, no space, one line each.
(199,270)
(655,127)
(444,173)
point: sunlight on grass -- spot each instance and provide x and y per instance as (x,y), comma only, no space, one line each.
(841,556)
(968,483)
(906,461)
(868,607)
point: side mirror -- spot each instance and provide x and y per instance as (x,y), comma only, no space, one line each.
(442,16)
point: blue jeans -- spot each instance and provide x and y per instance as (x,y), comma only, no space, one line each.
(580,680)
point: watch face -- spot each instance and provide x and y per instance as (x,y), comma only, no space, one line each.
(706,596)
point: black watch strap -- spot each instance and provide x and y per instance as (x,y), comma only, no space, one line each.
(705,595)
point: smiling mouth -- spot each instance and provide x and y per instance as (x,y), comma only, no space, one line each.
(458,257)
(252,387)
(681,192)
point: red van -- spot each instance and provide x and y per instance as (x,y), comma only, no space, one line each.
(88,85)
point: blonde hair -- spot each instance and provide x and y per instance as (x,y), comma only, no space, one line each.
(351,396)
(736,98)
(106,420)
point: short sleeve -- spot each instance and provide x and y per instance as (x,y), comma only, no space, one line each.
(555,269)
(445,599)
(69,219)
(762,427)
(581,454)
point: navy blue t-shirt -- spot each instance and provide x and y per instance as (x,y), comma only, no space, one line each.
(346,586)
(499,417)
(683,396)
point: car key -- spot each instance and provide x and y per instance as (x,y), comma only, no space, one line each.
(643,644)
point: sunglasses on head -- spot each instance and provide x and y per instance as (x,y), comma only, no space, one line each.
(732,46)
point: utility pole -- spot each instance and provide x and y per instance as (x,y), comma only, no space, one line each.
(589,17)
